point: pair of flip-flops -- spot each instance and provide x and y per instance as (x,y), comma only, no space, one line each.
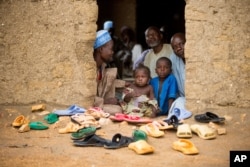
(129,118)
(209,117)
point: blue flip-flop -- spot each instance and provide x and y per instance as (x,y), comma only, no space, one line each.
(74,109)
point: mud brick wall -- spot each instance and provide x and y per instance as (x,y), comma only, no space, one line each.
(46,51)
(218,54)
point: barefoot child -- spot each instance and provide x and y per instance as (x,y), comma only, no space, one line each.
(138,98)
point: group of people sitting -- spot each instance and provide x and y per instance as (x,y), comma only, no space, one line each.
(158,75)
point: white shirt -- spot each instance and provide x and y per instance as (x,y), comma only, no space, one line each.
(151,58)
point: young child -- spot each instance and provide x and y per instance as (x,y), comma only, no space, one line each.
(138,98)
(164,85)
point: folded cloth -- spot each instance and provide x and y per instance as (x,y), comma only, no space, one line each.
(180,113)
(178,109)
(74,109)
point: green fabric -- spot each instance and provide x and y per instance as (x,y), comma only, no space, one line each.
(37,126)
(82,133)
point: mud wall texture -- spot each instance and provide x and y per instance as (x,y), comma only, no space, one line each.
(218,54)
(46,51)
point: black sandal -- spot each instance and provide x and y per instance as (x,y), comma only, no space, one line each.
(92,140)
(209,117)
(173,120)
(119,141)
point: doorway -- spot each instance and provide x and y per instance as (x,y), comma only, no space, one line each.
(140,14)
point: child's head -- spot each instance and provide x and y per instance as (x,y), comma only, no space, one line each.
(163,67)
(142,75)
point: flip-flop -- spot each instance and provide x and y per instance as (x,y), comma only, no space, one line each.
(19,121)
(85,120)
(51,118)
(129,118)
(92,140)
(173,120)
(97,113)
(139,135)
(118,141)
(141,147)
(203,131)
(185,146)
(70,128)
(151,130)
(83,133)
(209,117)
(162,125)
(37,126)
(184,131)
(74,109)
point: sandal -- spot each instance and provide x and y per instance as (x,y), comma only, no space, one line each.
(184,131)
(70,127)
(85,120)
(37,126)
(141,147)
(51,118)
(209,117)
(185,146)
(83,133)
(173,120)
(151,130)
(74,109)
(118,141)
(139,135)
(129,118)
(19,121)
(92,140)
(97,113)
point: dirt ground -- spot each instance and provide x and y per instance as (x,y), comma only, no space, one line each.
(49,148)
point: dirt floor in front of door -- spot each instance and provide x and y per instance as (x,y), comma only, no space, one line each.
(41,148)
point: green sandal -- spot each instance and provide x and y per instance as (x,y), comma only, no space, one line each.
(51,118)
(139,135)
(83,133)
(37,126)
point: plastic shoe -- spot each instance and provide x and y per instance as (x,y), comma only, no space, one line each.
(70,127)
(92,140)
(139,135)
(151,130)
(184,131)
(83,133)
(74,109)
(209,117)
(24,128)
(185,146)
(118,141)
(37,126)
(141,147)
(203,131)
(19,121)
(51,118)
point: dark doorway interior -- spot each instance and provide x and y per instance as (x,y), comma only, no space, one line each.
(147,13)
(169,13)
